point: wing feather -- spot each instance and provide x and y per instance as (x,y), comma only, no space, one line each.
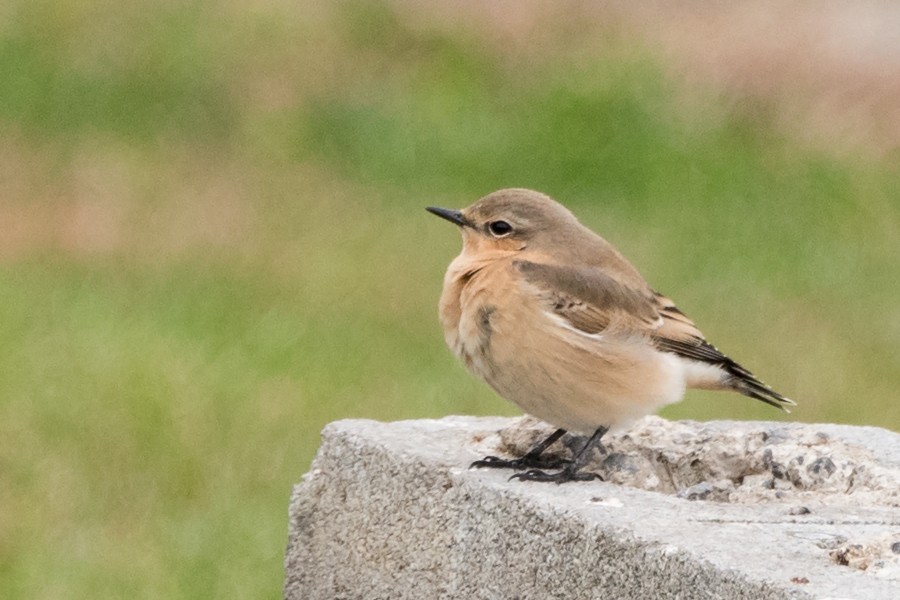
(593,302)
(590,300)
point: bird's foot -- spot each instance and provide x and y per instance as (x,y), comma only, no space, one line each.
(568,473)
(526,462)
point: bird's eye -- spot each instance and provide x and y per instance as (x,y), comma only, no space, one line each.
(500,228)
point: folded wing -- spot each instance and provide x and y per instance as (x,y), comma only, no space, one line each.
(593,302)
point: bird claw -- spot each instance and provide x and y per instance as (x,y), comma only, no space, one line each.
(494,462)
(526,462)
(562,476)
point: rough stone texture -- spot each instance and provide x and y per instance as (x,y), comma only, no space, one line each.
(689,510)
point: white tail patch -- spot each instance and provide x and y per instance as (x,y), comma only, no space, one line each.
(702,375)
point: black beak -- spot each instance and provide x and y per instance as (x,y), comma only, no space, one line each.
(454,216)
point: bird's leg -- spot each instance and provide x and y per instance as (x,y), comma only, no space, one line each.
(570,471)
(532,460)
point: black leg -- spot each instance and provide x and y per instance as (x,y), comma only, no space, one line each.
(532,460)
(570,471)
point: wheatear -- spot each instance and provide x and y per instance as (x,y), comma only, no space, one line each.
(557,321)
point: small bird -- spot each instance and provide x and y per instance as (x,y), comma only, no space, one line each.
(558,322)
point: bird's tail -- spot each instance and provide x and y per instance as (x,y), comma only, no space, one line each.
(746,383)
(737,378)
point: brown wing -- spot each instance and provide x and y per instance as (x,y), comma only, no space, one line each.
(590,300)
(593,302)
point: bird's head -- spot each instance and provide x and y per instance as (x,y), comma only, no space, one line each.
(512,220)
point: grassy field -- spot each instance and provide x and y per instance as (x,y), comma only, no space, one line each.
(213,242)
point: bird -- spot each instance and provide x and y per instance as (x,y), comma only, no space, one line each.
(556,320)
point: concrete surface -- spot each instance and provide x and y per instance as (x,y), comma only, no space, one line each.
(688,510)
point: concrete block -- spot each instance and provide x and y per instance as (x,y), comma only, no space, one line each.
(749,510)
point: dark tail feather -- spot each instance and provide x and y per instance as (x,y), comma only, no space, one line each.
(746,383)
(741,379)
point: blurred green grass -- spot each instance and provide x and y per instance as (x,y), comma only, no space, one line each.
(213,243)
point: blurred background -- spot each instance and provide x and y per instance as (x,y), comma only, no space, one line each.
(213,242)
